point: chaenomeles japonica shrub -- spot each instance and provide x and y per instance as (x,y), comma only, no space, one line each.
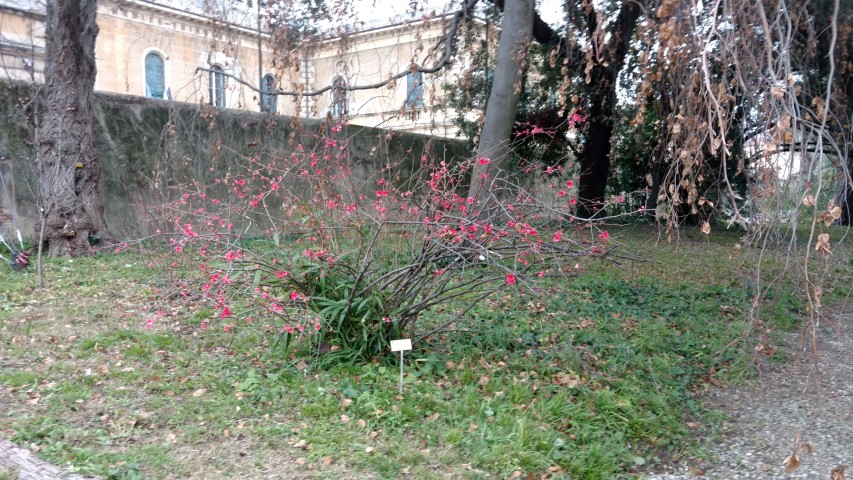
(297,246)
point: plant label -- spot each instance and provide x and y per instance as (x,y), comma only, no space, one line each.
(401,345)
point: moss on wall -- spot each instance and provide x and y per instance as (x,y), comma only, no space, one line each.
(150,150)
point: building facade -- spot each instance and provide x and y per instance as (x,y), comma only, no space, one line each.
(173,50)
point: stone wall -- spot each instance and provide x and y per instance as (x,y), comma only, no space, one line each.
(151,150)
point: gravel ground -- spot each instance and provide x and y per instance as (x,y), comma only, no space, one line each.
(790,400)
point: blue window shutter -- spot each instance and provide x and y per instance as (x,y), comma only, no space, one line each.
(268,102)
(155,76)
(415,90)
(339,98)
(216,86)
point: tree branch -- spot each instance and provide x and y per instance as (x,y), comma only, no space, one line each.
(445,59)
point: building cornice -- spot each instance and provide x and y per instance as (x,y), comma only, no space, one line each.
(170,16)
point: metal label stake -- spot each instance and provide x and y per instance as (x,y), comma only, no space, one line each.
(401,346)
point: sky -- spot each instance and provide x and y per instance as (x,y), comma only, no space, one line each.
(380,11)
(371,12)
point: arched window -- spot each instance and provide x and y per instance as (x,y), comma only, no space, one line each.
(339,97)
(155,75)
(216,86)
(268,101)
(415,90)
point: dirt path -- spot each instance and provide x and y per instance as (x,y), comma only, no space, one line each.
(790,400)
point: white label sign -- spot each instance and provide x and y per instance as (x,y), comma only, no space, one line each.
(400,345)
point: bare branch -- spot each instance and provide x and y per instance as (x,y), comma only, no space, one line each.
(448,39)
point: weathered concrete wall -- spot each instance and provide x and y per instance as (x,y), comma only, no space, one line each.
(151,150)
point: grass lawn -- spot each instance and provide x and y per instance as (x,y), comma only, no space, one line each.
(595,380)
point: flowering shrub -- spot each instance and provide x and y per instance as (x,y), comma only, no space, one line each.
(300,246)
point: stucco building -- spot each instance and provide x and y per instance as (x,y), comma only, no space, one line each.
(155,49)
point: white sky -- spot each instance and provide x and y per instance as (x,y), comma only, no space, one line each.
(384,11)
(371,12)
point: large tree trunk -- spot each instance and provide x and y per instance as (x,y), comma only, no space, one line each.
(67,162)
(607,59)
(845,196)
(595,155)
(503,101)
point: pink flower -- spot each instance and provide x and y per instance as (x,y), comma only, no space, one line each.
(226,312)
(230,256)
(561,193)
(558,236)
(179,249)
(273,186)
(280,274)
(570,184)
(603,236)
(510,279)
(485,161)
(382,193)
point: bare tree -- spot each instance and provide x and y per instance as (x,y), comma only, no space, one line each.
(67,162)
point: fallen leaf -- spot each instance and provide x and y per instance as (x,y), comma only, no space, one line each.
(565,379)
(344,419)
(791,462)
(301,461)
(706,228)
(328,460)
(345,403)
(199,392)
(301,444)
(484,380)
(369,450)
(837,473)
(808,200)
(361,423)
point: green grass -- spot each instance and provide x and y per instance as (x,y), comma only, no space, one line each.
(596,378)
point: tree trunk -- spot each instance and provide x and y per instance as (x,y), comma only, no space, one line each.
(503,100)
(595,155)
(601,88)
(67,162)
(22,464)
(845,197)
